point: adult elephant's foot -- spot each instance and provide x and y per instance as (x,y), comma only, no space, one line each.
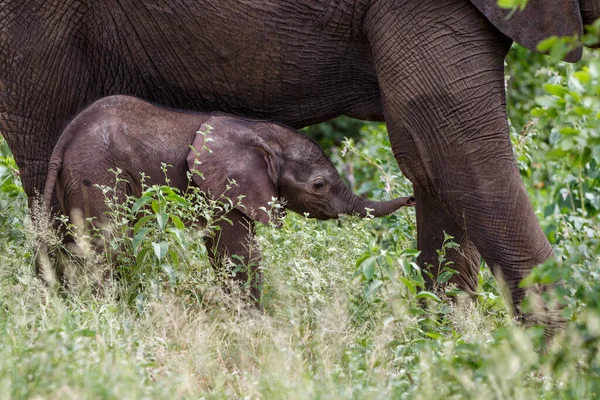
(538,310)
(433,222)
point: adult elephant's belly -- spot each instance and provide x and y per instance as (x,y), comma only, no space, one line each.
(247,59)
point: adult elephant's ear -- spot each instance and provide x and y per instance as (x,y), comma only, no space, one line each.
(539,20)
(227,159)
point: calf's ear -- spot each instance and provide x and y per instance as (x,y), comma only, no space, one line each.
(539,20)
(225,160)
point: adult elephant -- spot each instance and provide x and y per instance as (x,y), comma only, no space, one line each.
(431,69)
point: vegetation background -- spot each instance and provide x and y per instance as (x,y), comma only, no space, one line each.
(343,315)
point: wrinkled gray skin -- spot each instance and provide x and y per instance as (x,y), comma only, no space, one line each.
(431,69)
(266,160)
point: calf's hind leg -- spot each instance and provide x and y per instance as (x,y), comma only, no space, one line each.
(87,209)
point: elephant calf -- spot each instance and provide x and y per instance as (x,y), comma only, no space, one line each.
(266,161)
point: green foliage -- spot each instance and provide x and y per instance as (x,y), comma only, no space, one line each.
(556,153)
(155,244)
(559,47)
(525,84)
(570,113)
(12,200)
(332,133)
(157,250)
(9,182)
(513,4)
(561,170)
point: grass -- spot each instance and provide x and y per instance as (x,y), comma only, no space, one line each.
(342,319)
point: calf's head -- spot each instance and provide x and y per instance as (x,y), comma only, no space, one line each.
(267,161)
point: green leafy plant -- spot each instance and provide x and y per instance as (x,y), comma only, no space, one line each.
(559,47)
(569,111)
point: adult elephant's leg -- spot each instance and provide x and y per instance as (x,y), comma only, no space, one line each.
(31,139)
(32,114)
(441,74)
(433,221)
(45,78)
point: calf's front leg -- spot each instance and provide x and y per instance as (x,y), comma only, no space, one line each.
(235,241)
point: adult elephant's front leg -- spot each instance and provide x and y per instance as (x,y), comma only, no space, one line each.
(433,222)
(442,85)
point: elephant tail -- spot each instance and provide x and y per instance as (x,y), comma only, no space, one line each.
(54,168)
(56,162)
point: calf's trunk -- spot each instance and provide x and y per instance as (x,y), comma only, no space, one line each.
(359,206)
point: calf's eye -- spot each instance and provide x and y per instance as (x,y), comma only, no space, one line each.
(319,185)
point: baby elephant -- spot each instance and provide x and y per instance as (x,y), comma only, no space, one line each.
(266,161)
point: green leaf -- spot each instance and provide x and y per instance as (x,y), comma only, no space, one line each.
(139,237)
(418,280)
(141,256)
(444,276)
(161,220)
(368,267)
(362,258)
(435,335)
(177,222)
(142,221)
(556,154)
(174,257)
(428,295)
(160,250)
(583,76)
(447,237)
(506,3)
(156,207)
(538,112)
(569,130)
(417,311)
(410,285)
(141,202)
(580,110)
(547,44)
(373,287)
(512,4)
(556,90)
(179,235)
(404,266)
(410,253)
